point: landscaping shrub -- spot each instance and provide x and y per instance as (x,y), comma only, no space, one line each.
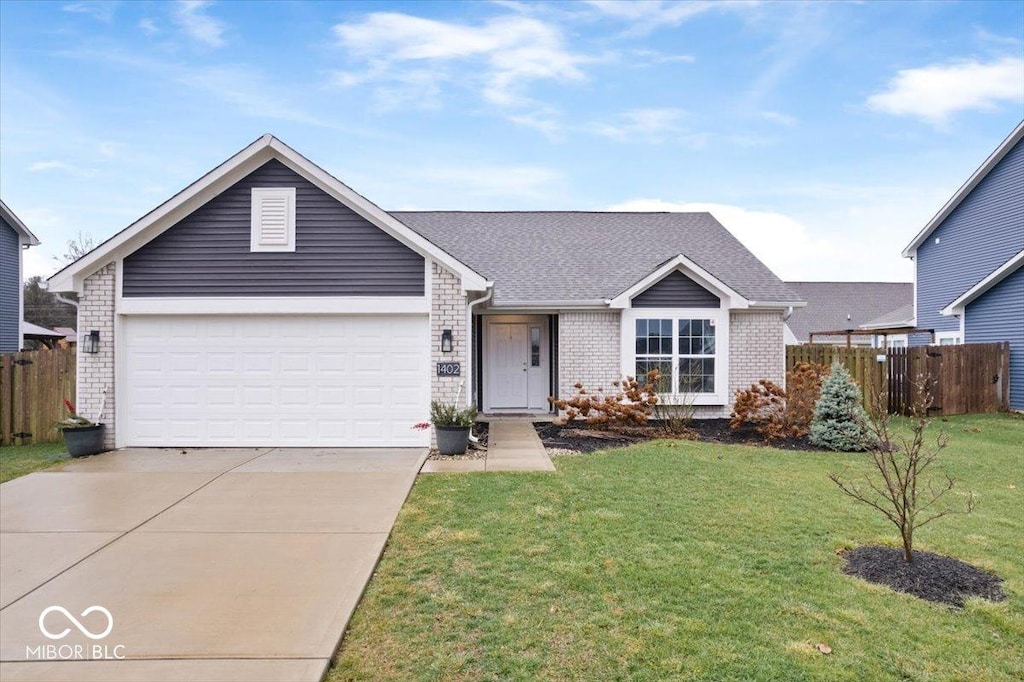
(631,404)
(777,413)
(839,421)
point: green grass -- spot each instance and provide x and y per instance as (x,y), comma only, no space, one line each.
(679,560)
(18,460)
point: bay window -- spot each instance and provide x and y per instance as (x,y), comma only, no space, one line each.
(687,347)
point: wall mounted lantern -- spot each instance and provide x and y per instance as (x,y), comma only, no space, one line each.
(91,343)
(446,341)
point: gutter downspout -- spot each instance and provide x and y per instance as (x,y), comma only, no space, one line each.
(789,313)
(66,301)
(469,350)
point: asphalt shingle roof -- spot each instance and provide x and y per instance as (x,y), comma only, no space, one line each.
(828,304)
(899,317)
(538,256)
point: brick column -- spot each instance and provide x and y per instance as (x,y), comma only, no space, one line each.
(96,370)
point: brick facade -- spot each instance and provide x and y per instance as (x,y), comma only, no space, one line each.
(96,370)
(756,349)
(588,350)
(448,311)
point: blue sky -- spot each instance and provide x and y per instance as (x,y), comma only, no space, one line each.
(823,135)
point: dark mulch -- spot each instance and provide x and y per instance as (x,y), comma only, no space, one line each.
(581,438)
(933,577)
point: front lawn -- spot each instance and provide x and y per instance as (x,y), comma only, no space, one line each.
(684,560)
(18,460)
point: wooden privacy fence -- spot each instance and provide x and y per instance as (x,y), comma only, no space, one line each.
(33,386)
(963,379)
(870,374)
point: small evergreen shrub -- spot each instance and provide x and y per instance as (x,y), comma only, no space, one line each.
(839,421)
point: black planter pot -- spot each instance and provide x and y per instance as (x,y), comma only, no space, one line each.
(452,440)
(82,441)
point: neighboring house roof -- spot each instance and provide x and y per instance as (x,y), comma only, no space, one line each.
(183,203)
(1002,150)
(30,330)
(588,258)
(829,304)
(69,334)
(995,277)
(900,317)
(8,215)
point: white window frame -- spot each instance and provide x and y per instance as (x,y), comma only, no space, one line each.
(956,337)
(720,316)
(258,194)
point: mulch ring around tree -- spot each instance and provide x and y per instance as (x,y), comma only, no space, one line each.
(578,437)
(933,577)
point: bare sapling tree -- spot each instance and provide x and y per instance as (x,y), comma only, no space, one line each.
(75,249)
(900,483)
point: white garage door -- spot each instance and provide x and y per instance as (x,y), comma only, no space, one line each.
(274,380)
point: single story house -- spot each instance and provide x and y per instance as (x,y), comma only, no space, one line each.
(270,304)
(14,239)
(969,261)
(835,306)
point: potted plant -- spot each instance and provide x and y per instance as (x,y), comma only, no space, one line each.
(82,437)
(452,426)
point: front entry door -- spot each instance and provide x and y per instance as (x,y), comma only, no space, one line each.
(509,363)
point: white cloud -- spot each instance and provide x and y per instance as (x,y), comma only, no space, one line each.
(641,122)
(936,92)
(496,182)
(511,50)
(779,117)
(97,9)
(652,14)
(148,26)
(48,165)
(546,121)
(192,17)
(649,15)
(779,241)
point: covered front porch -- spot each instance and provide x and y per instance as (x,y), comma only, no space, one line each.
(516,358)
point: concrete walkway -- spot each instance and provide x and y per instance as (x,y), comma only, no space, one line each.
(511,446)
(219,564)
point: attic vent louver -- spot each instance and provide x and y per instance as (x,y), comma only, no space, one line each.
(273,219)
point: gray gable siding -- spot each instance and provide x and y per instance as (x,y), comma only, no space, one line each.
(676,290)
(982,233)
(337,252)
(10,288)
(998,315)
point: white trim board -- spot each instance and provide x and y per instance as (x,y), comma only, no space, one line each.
(722,318)
(228,173)
(14,221)
(910,251)
(730,297)
(995,277)
(276,305)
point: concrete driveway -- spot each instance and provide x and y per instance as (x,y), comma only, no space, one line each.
(213,564)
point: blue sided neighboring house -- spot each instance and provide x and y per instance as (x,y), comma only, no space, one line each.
(969,276)
(14,239)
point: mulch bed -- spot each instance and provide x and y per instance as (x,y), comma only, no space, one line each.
(475,451)
(578,437)
(933,577)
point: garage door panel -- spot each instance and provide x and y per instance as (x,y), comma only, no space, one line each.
(255,380)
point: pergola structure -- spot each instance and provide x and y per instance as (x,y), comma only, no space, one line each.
(884,332)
